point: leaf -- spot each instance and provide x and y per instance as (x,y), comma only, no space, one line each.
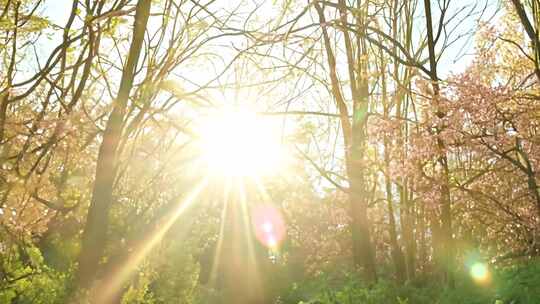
(36,259)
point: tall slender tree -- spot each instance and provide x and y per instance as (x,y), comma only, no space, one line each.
(355,131)
(95,231)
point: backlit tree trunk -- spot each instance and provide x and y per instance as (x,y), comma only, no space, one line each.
(355,137)
(95,231)
(446,250)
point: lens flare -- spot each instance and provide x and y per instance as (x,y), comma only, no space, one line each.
(272,243)
(479,272)
(268,225)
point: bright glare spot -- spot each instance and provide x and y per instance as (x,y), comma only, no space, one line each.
(272,243)
(479,272)
(267,227)
(240,143)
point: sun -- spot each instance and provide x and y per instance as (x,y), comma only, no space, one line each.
(239,142)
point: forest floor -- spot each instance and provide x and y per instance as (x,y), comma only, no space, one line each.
(511,284)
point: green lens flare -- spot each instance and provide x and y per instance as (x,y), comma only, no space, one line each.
(479,271)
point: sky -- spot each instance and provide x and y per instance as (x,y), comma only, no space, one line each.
(454,60)
(461,54)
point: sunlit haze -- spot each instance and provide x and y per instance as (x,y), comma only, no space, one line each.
(269,152)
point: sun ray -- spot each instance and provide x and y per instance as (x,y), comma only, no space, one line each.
(248,231)
(236,147)
(217,253)
(261,189)
(114,281)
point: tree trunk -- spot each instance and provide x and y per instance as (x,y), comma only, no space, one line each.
(4,102)
(363,251)
(397,253)
(421,235)
(407,224)
(4,98)
(406,216)
(530,30)
(447,242)
(362,244)
(95,231)
(355,140)
(395,248)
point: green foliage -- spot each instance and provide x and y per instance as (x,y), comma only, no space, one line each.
(515,284)
(168,275)
(29,279)
(42,284)
(178,275)
(520,283)
(139,293)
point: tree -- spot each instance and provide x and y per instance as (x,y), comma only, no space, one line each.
(94,236)
(354,134)
(531,27)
